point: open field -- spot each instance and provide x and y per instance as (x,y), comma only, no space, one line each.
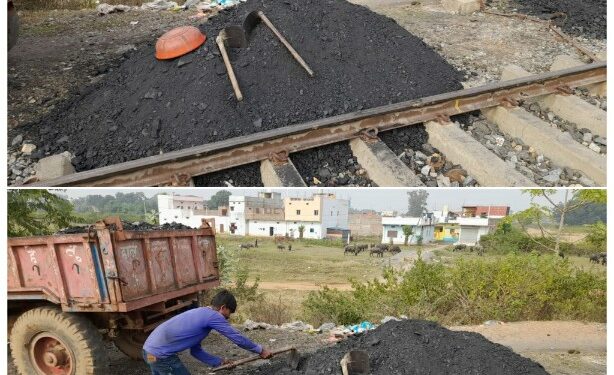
(307,263)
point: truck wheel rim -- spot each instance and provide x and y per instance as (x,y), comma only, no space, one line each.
(50,356)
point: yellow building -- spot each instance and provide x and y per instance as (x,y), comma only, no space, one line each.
(304,209)
(447,232)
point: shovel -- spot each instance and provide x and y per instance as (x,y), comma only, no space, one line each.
(355,362)
(233,37)
(254,18)
(294,359)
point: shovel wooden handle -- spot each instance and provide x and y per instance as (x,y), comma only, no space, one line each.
(231,74)
(250,359)
(295,54)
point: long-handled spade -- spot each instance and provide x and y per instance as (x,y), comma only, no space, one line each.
(254,18)
(294,359)
(233,37)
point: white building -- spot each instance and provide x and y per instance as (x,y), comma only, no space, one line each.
(421,226)
(190,210)
(266,215)
(257,216)
(472,229)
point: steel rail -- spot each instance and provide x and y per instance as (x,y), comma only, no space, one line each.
(163,170)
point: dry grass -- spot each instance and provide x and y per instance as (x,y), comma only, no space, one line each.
(74,4)
(308,263)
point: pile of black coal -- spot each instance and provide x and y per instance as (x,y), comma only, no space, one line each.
(413,347)
(143,226)
(136,226)
(585,17)
(144,107)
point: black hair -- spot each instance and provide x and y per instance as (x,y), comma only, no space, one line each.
(224,298)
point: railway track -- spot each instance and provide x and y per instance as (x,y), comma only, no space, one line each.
(498,102)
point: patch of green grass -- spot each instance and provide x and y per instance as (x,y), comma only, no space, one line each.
(306,263)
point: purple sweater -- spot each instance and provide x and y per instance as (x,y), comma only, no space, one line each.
(188,330)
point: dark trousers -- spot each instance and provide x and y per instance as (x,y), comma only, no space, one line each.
(165,366)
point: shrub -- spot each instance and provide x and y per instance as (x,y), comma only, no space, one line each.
(511,288)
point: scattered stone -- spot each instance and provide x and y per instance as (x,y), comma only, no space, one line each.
(54,166)
(443,181)
(104,9)
(297,326)
(601,141)
(17,140)
(387,318)
(426,170)
(327,327)
(456,175)
(28,148)
(587,137)
(250,325)
(593,146)
(184,61)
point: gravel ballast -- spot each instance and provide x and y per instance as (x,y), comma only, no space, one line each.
(146,107)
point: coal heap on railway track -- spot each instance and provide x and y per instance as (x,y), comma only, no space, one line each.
(586,17)
(413,347)
(144,107)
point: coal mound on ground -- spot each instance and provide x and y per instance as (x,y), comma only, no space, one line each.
(585,17)
(145,107)
(414,347)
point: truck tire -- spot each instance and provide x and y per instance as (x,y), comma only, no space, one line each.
(131,343)
(13,26)
(46,340)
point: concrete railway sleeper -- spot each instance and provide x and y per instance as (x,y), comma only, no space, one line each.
(498,101)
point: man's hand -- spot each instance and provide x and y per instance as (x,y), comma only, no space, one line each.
(265,354)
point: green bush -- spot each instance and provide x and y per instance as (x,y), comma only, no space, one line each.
(511,288)
(514,240)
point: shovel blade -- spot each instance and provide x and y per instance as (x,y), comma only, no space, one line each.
(234,37)
(251,21)
(294,359)
(355,362)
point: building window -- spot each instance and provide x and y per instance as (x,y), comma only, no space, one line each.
(232,208)
(298,212)
(311,230)
(392,234)
(316,212)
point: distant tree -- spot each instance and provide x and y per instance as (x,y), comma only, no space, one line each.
(538,214)
(301,230)
(416,202)
(407,232)
(589,213)
(37,212)
(219,199)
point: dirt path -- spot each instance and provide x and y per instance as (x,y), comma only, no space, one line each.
(563,348)
(299,286)
(544,336)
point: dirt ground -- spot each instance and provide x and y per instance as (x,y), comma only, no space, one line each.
(563,348)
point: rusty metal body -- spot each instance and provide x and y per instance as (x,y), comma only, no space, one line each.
(129,279)
(160,170)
